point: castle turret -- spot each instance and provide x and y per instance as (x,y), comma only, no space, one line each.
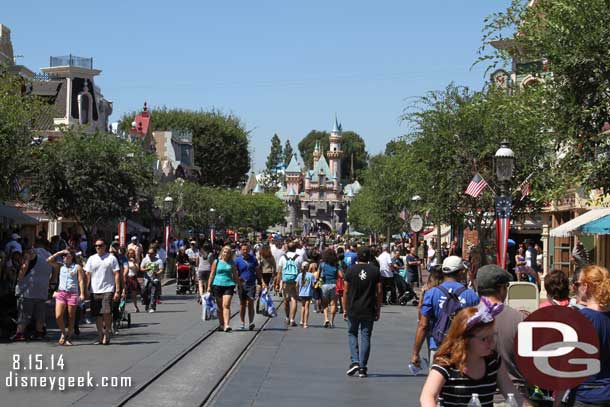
(316,153)
(334,153)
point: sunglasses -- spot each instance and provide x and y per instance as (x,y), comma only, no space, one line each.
(99,245)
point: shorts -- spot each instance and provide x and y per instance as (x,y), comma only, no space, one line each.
(302,298)
(267,278)
(29,309)
(247,292)
(412,277)
(329,292)
(66,297)
(221,290)
(101,304)
(133,284)
(290,290)
(203,275)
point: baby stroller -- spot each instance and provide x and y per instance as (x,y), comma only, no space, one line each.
(120,316)
(404,291)
(184,279)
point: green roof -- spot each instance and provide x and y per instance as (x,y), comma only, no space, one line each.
(293,166)
(321,166)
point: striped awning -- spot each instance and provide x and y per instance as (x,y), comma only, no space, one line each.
(575,226)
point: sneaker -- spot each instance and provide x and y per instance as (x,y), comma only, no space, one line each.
(353,368)
(150,311)
(362,372)
(18,337)
(292,323)
(242,327)
(326,324)
(252,326)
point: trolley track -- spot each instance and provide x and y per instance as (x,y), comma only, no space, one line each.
(166,371)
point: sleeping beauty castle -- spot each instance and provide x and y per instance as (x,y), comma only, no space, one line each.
(316,199)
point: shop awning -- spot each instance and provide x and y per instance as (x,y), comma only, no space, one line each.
(598,227)
(10,214)
(576,225)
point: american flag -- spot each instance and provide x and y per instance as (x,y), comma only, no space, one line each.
(476,186)
(526,187)
(403,214)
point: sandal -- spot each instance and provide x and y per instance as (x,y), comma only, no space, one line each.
(67,342)
(61,341)
(326,324)
(252,326)
(106,340)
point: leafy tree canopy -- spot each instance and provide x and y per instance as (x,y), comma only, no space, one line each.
(287,153)
(275,153)
(18,112)
(90,178)
(573,37)
(220,142)
(231,208)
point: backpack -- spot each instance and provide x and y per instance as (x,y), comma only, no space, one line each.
(290,271)
(450,307)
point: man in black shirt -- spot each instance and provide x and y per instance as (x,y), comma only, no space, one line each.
(361,307)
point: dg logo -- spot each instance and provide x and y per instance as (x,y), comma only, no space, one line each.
(557,348)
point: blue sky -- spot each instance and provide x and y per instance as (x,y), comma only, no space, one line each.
(282,67)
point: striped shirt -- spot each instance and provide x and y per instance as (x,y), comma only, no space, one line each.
(458,387)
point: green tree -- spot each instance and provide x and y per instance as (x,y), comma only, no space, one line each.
(90,178)
(18,112)
(287,153)
(352,145)
(220,142)
(573,37)
(456,133)
(275,154)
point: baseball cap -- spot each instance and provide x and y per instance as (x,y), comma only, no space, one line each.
(15,236)
(452,264)
(116,237)
(491,276)
(134,238)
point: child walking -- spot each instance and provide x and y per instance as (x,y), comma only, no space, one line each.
(305,282)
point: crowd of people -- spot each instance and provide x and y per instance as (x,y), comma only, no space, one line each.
(463,320)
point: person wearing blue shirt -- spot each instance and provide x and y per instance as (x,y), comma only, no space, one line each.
(434,298)
(350,256)
(249,272)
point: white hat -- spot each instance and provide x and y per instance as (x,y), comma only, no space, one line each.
(15,236)
(134,238)
(116,237)
(452,264)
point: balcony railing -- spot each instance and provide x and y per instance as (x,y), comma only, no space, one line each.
(72,60)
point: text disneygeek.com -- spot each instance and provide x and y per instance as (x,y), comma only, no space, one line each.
(18,378)
(61,383)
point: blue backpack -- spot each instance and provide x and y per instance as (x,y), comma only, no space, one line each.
(290,271)
(450,307)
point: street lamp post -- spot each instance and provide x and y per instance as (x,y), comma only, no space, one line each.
(212,225)
(168,208)
(505,166)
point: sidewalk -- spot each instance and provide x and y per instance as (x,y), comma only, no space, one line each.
(305,367)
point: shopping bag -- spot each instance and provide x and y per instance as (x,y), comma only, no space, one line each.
(268,306)
(209,308)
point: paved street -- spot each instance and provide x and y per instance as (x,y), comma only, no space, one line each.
(305,367)
(279,365)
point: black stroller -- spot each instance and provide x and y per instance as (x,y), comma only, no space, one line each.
(404,291)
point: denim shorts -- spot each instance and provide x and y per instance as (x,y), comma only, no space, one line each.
(329,292)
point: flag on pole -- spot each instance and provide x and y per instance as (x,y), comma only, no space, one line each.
(476,186)
(403,214)
(526,187)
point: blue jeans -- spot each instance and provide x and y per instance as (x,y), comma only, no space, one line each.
(359,354)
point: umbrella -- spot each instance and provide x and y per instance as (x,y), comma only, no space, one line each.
(511,243)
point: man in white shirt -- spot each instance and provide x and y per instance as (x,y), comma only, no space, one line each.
(102,270)
(431,255)
(387,276)
(193,253)
(276,250)
(137,247)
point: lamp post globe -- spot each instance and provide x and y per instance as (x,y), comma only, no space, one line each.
(505,162)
